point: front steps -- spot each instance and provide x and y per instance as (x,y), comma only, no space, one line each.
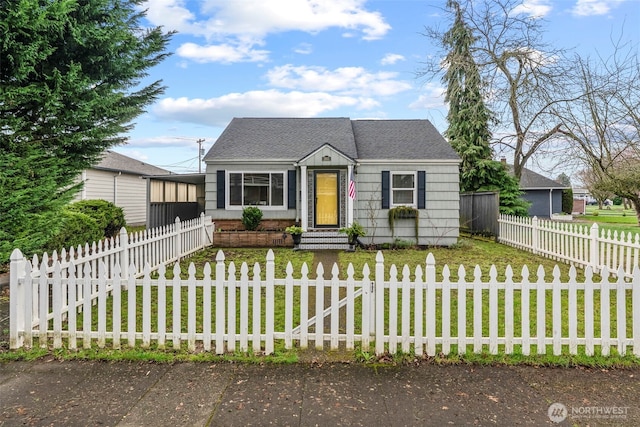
(320,240)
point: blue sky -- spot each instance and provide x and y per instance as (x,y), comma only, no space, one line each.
(318,58)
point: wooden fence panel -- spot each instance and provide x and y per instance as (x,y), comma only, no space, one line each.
(479,213)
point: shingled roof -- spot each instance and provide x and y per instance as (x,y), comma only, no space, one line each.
(530,180)
(117,162)
(294,138)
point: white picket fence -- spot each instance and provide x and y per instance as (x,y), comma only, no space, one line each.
(227,310)
(152,247)
(572,243)
(155,246)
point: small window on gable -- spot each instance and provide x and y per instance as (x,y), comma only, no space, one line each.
(403,189)
(256,189)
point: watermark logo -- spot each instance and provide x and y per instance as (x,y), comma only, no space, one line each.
(557,412)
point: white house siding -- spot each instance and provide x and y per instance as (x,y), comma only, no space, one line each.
(211,199)
(438,222)
(124,190)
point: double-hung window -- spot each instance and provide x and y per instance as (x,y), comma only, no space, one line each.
(256,189)
(403,189)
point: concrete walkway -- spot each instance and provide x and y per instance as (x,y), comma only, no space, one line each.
(54,393)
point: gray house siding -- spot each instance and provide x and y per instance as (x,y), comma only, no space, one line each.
(540,202)
(438,221)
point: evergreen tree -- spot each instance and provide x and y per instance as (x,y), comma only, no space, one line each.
(468,117)
(70,74)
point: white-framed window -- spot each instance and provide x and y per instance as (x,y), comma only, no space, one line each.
(403,189)
(262,189)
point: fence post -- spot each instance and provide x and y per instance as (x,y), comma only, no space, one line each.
(124,252)
(178,241)
(203,232)
(378,308)
(430,309)
(16,299)
(594,255)
(535,242)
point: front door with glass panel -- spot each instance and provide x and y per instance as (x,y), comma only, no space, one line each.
(326,207)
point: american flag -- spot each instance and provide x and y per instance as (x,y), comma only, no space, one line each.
(352,186)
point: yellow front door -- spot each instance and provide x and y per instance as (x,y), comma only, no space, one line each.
(326,199)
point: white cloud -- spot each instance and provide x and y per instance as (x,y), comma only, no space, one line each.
(246,23)
(432,98)
(344,80)
(537,8)
(594,7)
(392,58)
(303,49)
(219,111)
(224,53)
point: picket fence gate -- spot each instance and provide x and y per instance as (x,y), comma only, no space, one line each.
(576,244)
(224,311)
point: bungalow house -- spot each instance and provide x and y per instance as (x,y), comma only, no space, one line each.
(119,179)
(544,194)
(326,173)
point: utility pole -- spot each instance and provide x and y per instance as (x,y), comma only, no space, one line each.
(200,153)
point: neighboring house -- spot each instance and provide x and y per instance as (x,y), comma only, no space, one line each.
(120,179)
(544,194)
(297,170)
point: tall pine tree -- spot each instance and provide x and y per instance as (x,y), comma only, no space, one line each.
(70,74)
(469,118)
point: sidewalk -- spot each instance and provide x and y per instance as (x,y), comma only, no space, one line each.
(54,393)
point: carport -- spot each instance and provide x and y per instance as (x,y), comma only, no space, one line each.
(171,196)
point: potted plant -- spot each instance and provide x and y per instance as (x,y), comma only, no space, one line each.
(353,231)
(296,234)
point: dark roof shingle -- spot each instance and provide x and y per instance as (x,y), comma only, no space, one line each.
(294,138)
(281,138)
(400,140)
(120,163)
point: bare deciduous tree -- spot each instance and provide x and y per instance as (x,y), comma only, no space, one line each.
(604,123)
(523,76)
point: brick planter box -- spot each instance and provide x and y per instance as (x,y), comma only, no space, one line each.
(251,239)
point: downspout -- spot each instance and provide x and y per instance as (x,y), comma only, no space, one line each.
(550,202)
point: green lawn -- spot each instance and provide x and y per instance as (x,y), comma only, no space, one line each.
(613,218)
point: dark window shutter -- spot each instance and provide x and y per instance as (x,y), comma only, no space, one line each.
(385,190)
(291,196)
(421,189)
(220,189)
